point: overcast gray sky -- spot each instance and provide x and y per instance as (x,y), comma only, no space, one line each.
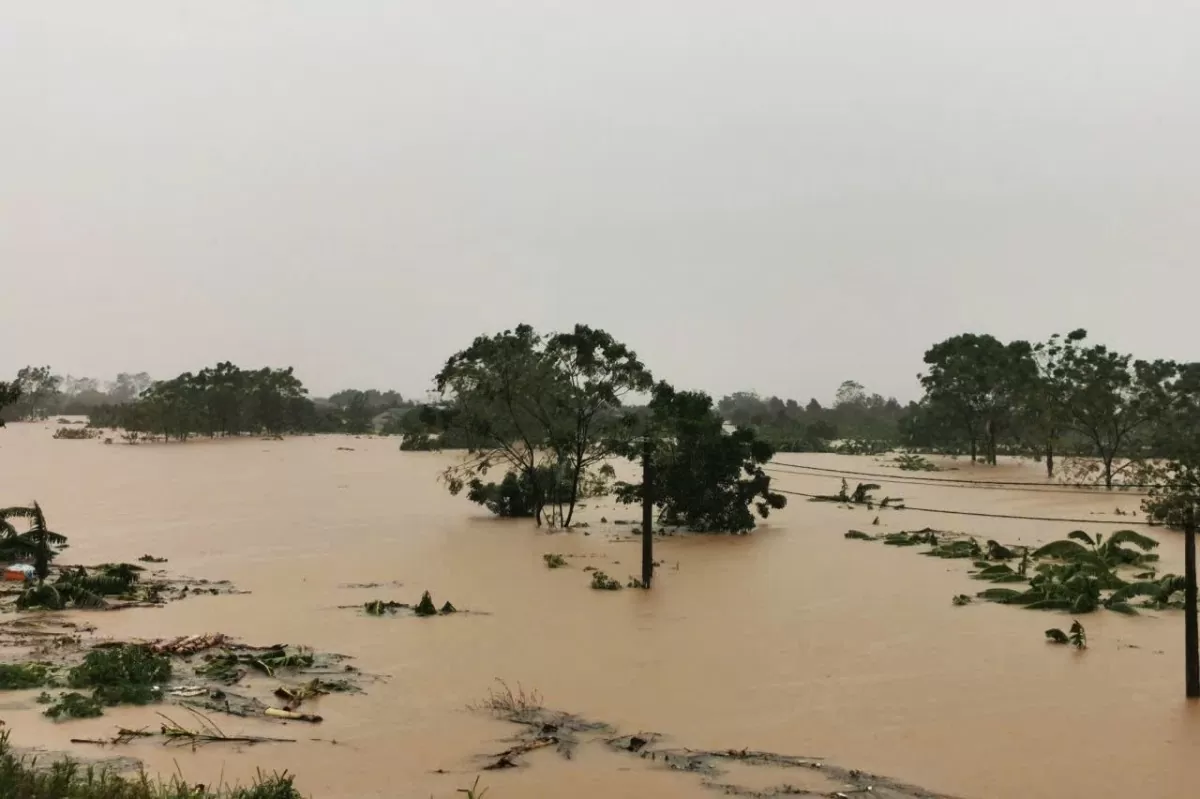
(753,195)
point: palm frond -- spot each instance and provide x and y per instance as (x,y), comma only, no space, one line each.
(1063,550)
(1131,537)
(1080,535)
(1144,588)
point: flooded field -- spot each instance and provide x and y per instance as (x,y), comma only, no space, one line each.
(792,640)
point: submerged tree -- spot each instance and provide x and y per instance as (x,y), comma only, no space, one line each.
(1112,399)
(9,394)
(1044,404)
(705,479)
(538,405)
(976,380)
(36,393)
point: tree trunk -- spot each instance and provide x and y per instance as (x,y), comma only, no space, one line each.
(1050,460)
(1191,637)
(1108,475)
(647,514)
(574,495)
(973,449)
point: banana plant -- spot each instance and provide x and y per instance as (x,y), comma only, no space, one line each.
(38,542)
(1099,556)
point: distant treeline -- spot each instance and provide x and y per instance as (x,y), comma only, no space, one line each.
(222,400)
(982,397)
(857,422)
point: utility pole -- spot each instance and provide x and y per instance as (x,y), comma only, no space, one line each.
(1191,636)
(648,515)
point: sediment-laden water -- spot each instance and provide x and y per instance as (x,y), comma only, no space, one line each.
(791,640)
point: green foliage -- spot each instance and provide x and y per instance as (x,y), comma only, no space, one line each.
(858,535)
(915,463)
(554,560)
(123,674)
(38,543)
(75,433)
(22,778)
(961,599)
(977,382)
(223,400)
(867,423)
(602,582)
(379,607)
(1056,636)
(23,676)
(529,402)
(425,607)
(1078,635)
(705,479)
(74,705)
(33,395)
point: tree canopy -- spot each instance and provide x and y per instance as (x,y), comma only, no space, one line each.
(705,479)
(540,406)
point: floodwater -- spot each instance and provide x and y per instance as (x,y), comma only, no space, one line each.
(793,639)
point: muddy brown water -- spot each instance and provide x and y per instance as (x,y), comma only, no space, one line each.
(792,640)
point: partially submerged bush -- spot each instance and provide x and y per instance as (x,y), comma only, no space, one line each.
(554,560)
(915,463)
(379,607)
(507,702)
(74,706)
(23,676)
(602,582)
(65,779)
(75,433)
(1077,637)
(425,607)
(123,674)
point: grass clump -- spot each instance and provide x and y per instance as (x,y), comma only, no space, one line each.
(23,676)
(554,560)
(74,706)
(124,674)
(504,701)
(602,582)
(22,778)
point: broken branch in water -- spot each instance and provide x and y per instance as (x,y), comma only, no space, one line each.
(123,736)
(506,758)
(178,735)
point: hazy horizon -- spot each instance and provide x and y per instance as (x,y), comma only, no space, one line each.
(771,196)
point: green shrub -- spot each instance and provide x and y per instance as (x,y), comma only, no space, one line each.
(602,582)
(125,674)
(74,706)
(23,676)
(64,779)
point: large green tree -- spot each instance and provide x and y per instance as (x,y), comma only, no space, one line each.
(9,394)
(1113,401)
(706,479)
(541,407)
(38,393)
(1045,394)
(976,380)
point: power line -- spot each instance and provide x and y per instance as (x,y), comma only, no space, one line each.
(989,515)
(968,484)
(952,482)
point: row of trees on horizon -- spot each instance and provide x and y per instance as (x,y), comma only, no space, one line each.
(1106,412)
